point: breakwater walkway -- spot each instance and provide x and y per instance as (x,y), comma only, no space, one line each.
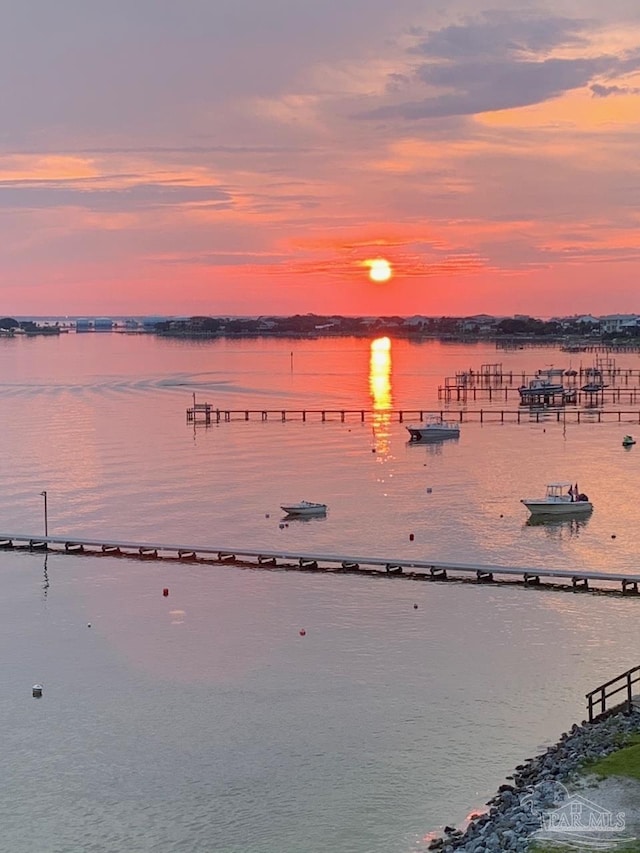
(420,570)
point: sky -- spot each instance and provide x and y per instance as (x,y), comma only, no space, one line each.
(249,157)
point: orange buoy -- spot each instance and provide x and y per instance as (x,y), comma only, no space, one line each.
(302,632)
(165,592)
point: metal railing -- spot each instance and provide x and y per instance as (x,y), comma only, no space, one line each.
(597,699)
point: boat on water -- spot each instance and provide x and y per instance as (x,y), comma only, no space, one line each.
(540,390)
(628,441)
(433,429)
(540,385)
(595,382)
(559,499)
(304,508)
(550,373)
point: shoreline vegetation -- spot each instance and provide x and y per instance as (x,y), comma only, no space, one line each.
(580,794)
(574,334)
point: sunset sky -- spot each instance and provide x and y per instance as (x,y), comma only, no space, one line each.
(251,156)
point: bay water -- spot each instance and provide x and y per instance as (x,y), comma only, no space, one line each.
(204,721)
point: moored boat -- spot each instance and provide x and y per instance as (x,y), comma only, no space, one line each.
(559,499)
(304,508)
(434,429)
(541,386)
(628,441)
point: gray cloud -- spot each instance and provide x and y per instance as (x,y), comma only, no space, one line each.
(600,91)
(34,194)
(499,61)
(502,33)
(494,85)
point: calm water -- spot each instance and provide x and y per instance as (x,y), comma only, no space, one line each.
(204,721)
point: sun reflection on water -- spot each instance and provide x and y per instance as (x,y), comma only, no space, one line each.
(380,390)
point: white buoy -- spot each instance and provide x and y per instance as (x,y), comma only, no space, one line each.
(37,691)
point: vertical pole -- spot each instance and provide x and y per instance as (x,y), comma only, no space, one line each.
(46,519)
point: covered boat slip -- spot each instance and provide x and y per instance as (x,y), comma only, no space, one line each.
(422,570)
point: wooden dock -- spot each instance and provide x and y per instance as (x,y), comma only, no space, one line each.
(206,414)
(625,583)
(569,395)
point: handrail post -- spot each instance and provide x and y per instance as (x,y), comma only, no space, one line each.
(629,695)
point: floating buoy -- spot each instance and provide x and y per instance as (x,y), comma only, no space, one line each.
(36,691)
(88,624)
(613,535)
(411,537)
(501,515)
(281,526)
(266,515)
(373,450)
(303,633)
(165,592)
(415,606)
(429,490)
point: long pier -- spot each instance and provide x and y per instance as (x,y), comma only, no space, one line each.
(206,414)
(419,570)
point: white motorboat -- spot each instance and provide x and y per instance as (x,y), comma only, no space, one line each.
(434,429)
(540,388)
(559,499)
(305,508)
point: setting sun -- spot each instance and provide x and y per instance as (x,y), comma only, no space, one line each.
(379,269)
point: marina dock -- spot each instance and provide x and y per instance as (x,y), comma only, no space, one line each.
(206,414)
(625,583)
